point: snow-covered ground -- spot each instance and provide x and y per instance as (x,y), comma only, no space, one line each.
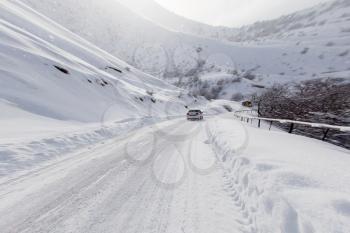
(89,143)
(178,176)
(285,183)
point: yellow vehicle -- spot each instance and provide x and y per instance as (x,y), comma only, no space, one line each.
(247,104)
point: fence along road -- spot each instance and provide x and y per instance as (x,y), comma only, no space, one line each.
(243,115)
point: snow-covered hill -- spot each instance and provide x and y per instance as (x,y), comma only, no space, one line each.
(48,71)
(59,92)
(153,11)
(324,21)
(319,19)
(309,46)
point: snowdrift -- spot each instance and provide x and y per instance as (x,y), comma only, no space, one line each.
(283,183)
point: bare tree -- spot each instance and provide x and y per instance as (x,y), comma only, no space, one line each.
(320,100)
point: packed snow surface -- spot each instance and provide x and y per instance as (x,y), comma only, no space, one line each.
(213,176)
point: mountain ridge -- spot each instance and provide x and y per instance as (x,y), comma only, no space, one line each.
(302,51)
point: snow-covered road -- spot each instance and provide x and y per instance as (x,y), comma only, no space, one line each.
(218,175)
(162,178)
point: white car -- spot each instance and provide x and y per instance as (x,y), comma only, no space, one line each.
(195,115)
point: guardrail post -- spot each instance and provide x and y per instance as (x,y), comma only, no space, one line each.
(292,124)
(291,128)
(325,135)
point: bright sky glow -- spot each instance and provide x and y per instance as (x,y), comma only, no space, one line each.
(235,12)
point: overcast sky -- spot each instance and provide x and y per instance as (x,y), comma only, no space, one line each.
(235,12)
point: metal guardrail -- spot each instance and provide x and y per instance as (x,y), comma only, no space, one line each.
(243,116)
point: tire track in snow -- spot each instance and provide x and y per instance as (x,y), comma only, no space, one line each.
(111,194)
(152,210)
(129,210)
(49,213)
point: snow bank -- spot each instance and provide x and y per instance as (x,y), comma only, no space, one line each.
(283,183)
(19,154)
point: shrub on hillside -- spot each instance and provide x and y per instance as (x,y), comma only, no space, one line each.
(320,100)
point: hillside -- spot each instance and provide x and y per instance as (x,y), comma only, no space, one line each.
(154,12)
(59,92)
(89,79)
(333,14)
(324,21)
(310,51)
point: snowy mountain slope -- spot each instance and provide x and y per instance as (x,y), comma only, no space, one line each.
(333,14)
(322,21)
(159,15)
(107,24)
(59,93)
(154,49)
(48,71)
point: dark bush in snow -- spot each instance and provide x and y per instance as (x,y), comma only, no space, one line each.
(104,82)
(63,70)
(237,97)
(221,82)
(343,54)
(330,44)
(215,92)
(115,69)
(323,22)
(305,51)
(345,30)
(249,76)
(150,93)
(236,80)
(228,108)
(258,86)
